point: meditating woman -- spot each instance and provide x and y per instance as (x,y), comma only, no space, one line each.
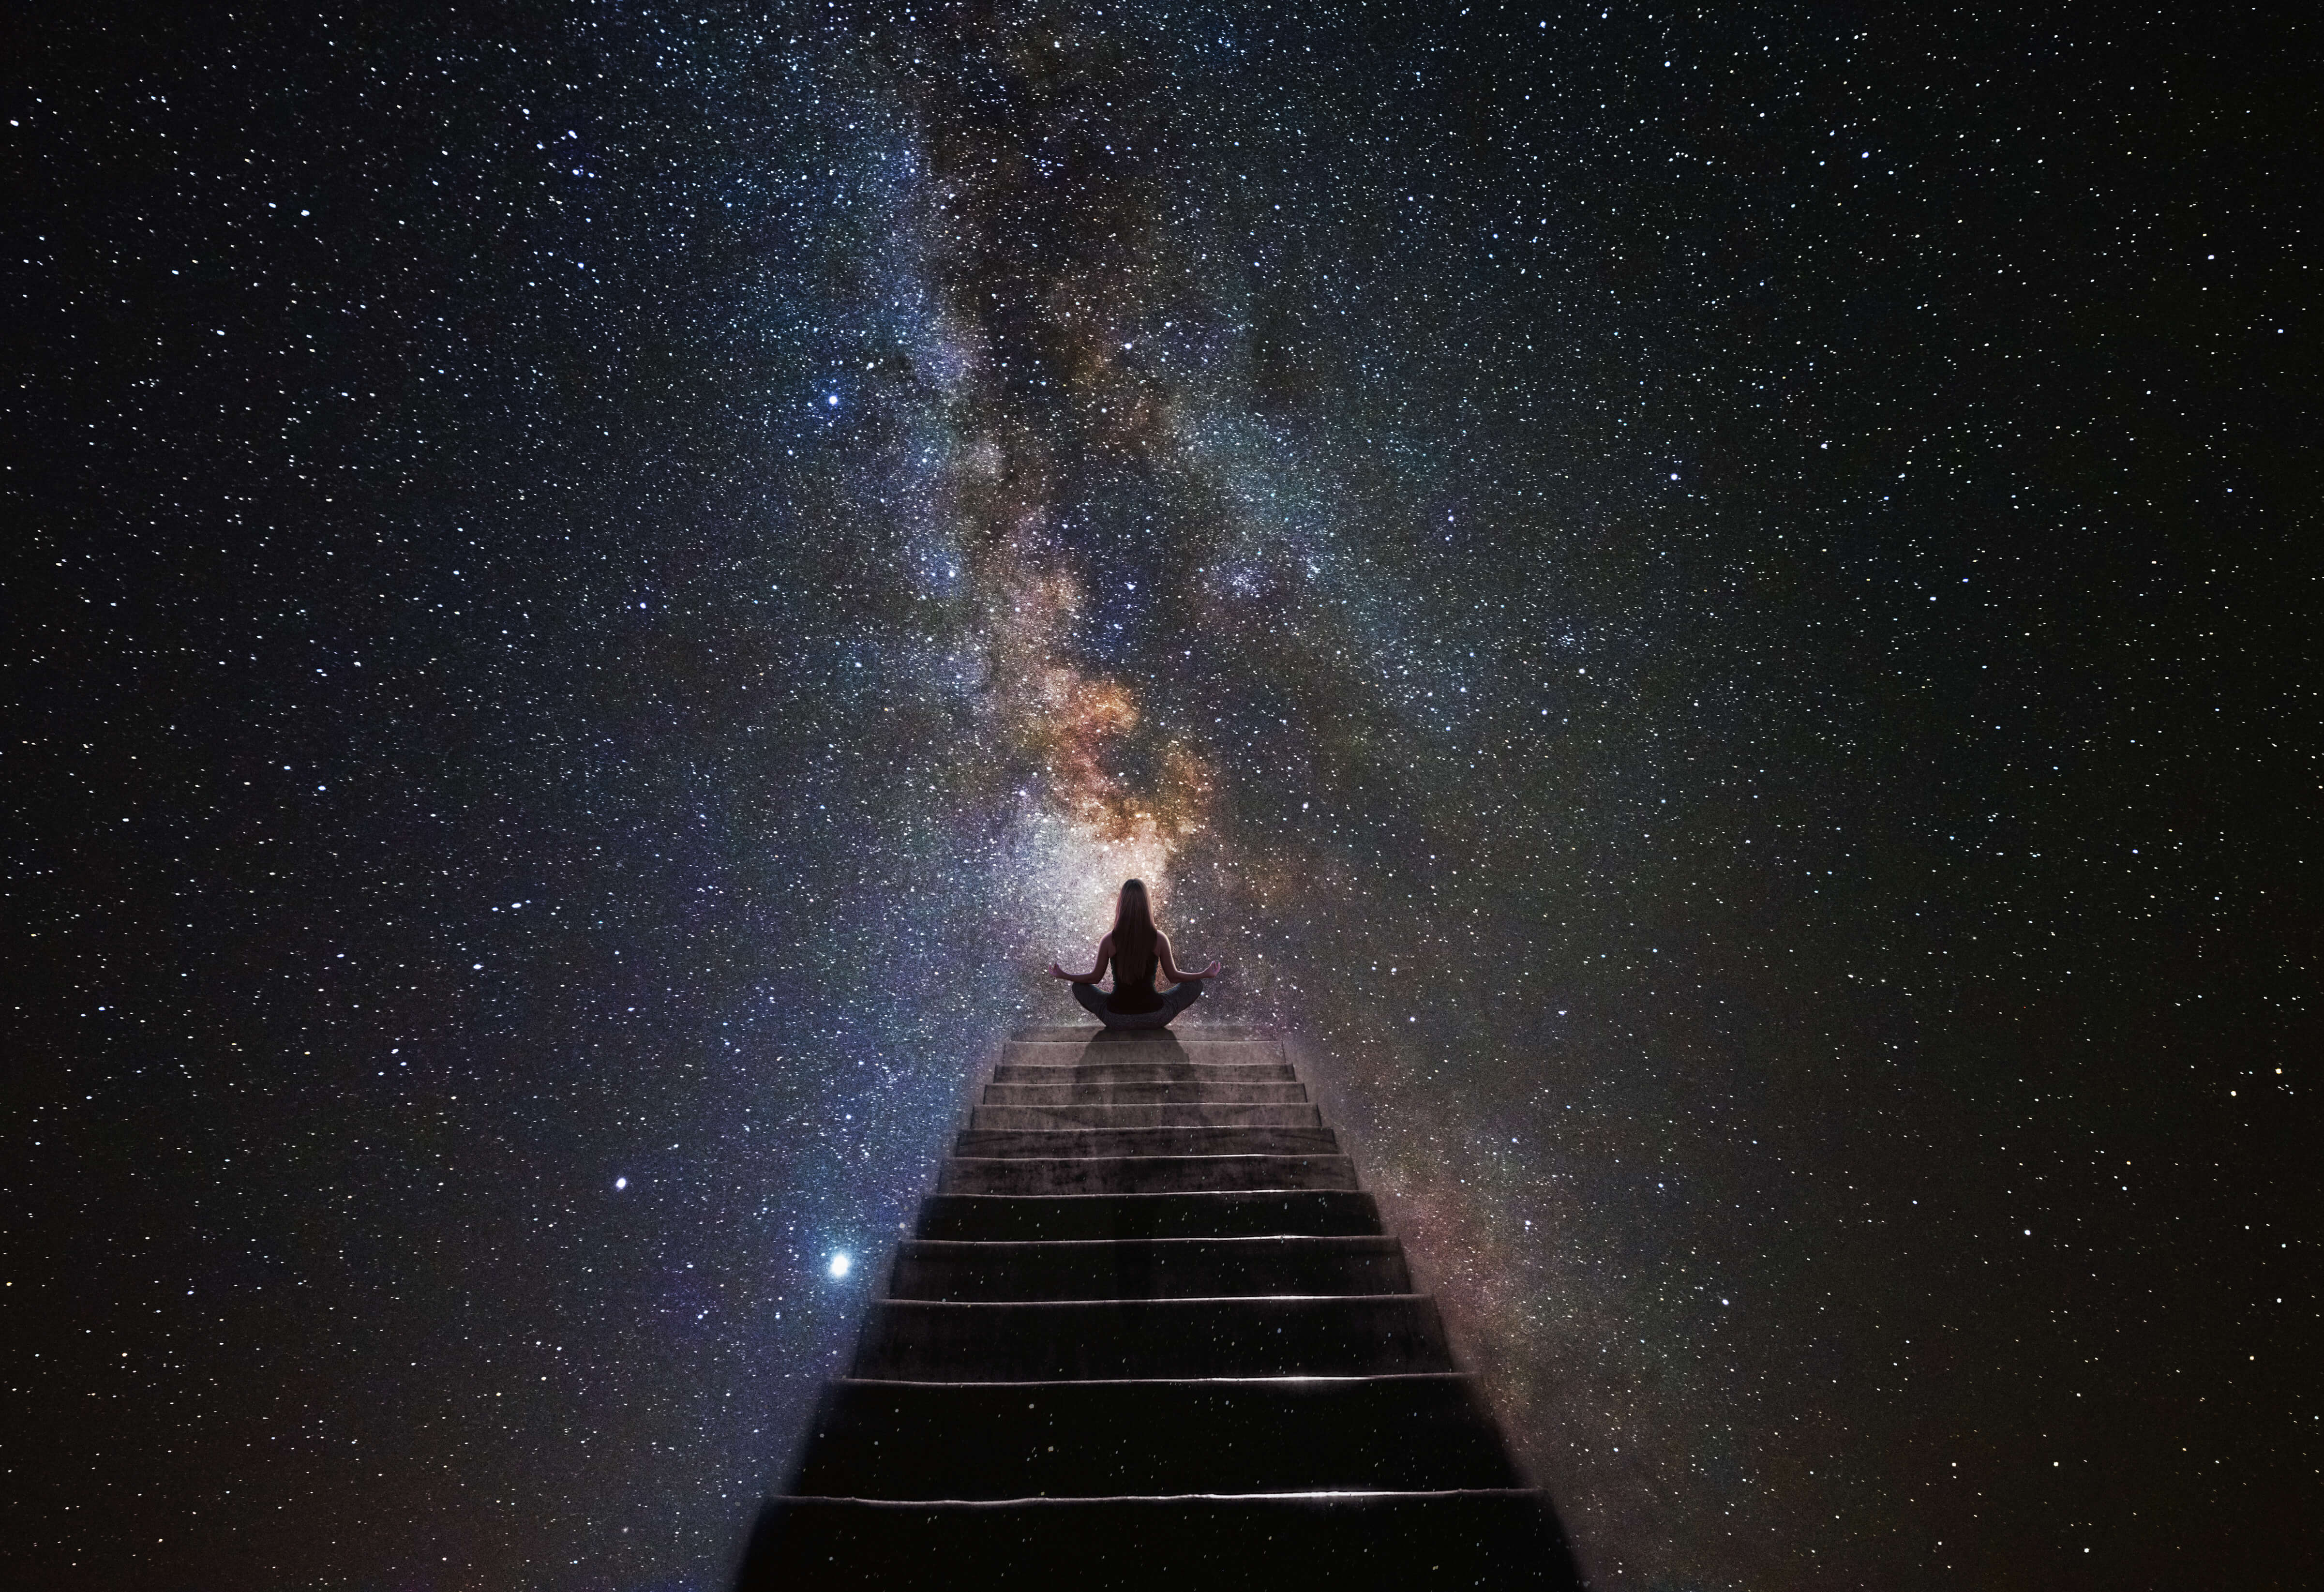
(1138,950)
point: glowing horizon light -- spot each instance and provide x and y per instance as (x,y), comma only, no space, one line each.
(841,1264)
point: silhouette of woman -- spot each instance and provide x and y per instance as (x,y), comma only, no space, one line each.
(1138,951)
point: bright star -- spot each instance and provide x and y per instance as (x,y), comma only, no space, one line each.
(839,1263)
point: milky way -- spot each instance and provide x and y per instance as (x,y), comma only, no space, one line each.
(1696,606)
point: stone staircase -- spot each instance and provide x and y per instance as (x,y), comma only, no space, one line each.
(1150,1333)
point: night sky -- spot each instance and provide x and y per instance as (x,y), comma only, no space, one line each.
(1715,610)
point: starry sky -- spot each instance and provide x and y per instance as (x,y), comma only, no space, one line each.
(1715,610)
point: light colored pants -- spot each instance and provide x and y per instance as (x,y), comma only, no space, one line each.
(1176,999)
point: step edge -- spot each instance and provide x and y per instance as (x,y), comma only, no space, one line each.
(1198,1034)
(1159,1128)
(1190,1299)
(1160,1193)
(1086,1160)
(1172,1065)
(986,1246)
(1299,1376)
(1042,1151)
(1170,1498)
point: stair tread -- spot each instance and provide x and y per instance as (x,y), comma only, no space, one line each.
(1372,1240)
(1154,1091)
(1284,1266)
(1134,1303)
(1111,1113)
(1181,1033)
(1033,1142)
(1274,1379)
(1272,1496)
(915,1340)
(1196,1213)
(1370,1540)
(887,1438)
(1144,1072)
(968,1175)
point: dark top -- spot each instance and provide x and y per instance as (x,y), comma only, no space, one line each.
(1133,977)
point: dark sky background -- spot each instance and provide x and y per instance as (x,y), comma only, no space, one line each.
(1716,607)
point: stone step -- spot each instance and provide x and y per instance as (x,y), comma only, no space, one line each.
(1374,1334)
(1146,1072)
(1141,1175)
(1213,1053)
(1343,1541)
(1179,1034)
(1030,1218)
(1181,1114)
(903,1440)
(1041,1143)
(1146,1093)
(1148,1268)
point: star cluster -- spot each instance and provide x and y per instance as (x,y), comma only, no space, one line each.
(1699,605)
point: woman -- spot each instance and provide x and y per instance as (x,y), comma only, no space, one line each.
(1138,950)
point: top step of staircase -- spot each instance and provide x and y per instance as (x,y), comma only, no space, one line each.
(1187,1033)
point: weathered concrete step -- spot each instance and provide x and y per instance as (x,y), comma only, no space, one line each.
(1183,1114)
(1144,1092)
(1343,1541)
(1020,1218)
(978,1144)
(1376,1335)
(1148,1268)
(1141,1175)
(944,1440)
(1178,1034)
(1207,1052)
(1146,1073)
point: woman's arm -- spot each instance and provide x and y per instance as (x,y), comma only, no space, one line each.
(1105,955)
(1170,968)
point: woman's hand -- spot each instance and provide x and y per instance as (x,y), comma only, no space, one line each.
(1057,973)
(1211,971)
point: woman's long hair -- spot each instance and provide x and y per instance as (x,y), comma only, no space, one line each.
(1133,928)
